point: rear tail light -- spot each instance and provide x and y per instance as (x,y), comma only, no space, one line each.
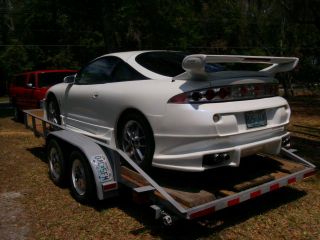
(227,93)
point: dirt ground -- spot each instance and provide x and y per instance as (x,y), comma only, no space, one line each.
(32,207)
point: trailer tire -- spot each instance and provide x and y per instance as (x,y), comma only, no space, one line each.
(82,185)
(56,163)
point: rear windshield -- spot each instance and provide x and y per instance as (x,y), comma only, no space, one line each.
(51,78)
(170,64)
(164,63)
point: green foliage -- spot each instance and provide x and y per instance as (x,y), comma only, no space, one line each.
(15,58)
(67,34)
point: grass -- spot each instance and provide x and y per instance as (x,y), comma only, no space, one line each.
(305,126)
(4,99)
(50,212)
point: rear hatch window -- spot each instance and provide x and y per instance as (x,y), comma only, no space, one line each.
(170,64)
(163,63)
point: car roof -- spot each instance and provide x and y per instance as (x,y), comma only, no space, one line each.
(126,55)
(129,57)
(47,71)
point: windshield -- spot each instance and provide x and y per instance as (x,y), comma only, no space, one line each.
(51,78)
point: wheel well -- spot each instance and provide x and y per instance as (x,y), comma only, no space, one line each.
(67,150)
(125,113)
(51,96)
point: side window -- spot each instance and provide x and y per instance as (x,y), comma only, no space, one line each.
(19,80)
(124,72)
(97,72)
(32,80)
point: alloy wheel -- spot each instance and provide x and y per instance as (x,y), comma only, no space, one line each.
(78,176)
(133,141)
(55,163)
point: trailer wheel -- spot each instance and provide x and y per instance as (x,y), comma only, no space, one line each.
(57,163)
(81,178)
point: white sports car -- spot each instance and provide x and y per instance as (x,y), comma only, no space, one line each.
(176,111)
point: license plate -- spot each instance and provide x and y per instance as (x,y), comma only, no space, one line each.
(256,118)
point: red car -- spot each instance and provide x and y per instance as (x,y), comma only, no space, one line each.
(28,89)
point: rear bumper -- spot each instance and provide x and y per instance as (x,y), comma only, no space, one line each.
(189,155)
(186,133)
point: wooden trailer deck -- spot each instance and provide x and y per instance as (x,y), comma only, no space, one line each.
(193,189)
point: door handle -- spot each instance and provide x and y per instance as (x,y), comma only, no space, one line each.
(95,95)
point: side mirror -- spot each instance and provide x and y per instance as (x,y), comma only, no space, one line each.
(29,85)
(69,79)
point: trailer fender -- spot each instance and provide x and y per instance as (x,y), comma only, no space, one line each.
(100,163)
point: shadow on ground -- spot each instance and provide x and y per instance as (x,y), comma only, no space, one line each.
(204,227)
(39,152)
(308,148)
(6,110)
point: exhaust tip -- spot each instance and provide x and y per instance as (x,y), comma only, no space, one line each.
(215,159)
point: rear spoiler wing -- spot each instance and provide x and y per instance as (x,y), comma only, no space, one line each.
(195,64)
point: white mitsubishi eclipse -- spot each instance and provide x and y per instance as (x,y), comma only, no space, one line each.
(176,111)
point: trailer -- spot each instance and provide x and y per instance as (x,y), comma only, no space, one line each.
(97,170)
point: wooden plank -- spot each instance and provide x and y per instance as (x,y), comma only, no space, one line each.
(225,192)
(279,174)
(132,182)
(187,198)
(133,176)
(290,167)
(252,183)
(285,165)
(190,199)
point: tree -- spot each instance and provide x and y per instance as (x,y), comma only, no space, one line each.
(53,34)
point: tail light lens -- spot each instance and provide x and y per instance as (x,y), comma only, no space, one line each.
(227,93)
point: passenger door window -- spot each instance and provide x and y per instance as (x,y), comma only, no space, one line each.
(124,72)
(97,72)
(32,80)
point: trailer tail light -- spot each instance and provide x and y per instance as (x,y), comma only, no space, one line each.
(274,187)
(227,93)
(233,202)
(309,174)
(202,213)
(292,180)
(109,186)
(255,194)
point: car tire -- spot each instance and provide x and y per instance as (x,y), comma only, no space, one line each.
(56,163)
(82,185)
(135,138)
(53,111)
